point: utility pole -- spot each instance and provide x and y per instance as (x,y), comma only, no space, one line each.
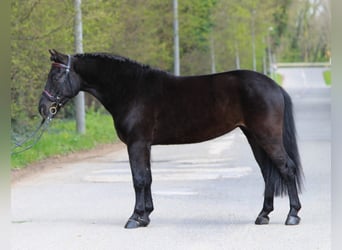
(237,56)
(269,52)
(176,38)
(253,40)
(79,99)
(212,52)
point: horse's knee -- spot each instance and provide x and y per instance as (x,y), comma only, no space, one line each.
(142,179)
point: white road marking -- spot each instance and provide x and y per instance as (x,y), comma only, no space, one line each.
(174,193)
(169,174)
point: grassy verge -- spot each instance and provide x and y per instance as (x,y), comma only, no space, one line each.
(61,138)
(327,77)
(278,78)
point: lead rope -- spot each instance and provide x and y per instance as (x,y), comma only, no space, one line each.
(36,135)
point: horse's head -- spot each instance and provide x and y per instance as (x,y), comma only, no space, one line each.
(62,84)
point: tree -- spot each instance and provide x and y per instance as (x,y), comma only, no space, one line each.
(240,29)
(196,23)
(308,36)
(33,31)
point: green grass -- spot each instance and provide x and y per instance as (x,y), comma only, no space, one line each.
(278,78)
(61,138)
(327,77)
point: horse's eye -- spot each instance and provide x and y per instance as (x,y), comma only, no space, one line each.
(57,78)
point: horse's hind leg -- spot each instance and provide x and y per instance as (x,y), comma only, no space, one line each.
(295,206)
(283,176)
(266,167)
(278,171)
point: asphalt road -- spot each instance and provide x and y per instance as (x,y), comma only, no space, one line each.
(303,77)
(206,196)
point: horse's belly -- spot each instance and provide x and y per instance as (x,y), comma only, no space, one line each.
(192,132)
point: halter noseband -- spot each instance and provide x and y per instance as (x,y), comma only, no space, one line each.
(56,100)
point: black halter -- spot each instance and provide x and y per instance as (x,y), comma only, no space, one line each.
(56,99)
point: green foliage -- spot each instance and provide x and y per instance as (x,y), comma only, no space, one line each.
(281,18)
(196,23)
(143,33)
(61,138)
(233,31)
(307,37)
(36,27)
(278,78)
(327,77)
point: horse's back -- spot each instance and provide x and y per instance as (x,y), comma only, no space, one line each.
(198,108)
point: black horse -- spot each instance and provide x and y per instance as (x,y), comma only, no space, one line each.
(151,107)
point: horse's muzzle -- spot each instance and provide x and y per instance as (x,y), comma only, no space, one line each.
(47,108)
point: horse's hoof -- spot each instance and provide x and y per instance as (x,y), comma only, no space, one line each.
(262,220)
(132,223)
(292,220)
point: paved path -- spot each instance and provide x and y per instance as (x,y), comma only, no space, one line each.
(206,196)
(303,77)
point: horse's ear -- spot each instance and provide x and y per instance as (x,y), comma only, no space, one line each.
(58,57)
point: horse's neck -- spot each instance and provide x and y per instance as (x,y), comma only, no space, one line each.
(107,87)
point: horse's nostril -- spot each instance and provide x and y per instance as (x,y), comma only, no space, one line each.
(42,110)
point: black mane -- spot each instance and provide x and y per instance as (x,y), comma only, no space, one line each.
(118,77)
(119,60)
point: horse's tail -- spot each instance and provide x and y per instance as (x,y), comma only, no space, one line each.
(290,144)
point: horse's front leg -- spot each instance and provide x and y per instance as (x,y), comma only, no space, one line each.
(139,157)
